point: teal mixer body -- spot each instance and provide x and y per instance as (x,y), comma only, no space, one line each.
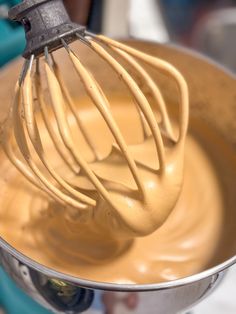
(12,39)
(12,42)
(14,301)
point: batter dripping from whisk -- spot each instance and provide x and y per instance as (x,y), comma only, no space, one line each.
(117,208)
(127,192)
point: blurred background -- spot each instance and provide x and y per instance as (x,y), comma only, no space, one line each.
(208,26)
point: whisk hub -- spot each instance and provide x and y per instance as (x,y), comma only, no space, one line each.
(45,23)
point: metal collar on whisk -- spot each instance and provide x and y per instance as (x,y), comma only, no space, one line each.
(46,23)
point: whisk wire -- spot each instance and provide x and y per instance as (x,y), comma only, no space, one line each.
(153,87)
(99,99)
(140,100)
(166,68)
(64,129)
(34,136)
(33,133)
(69,101)
(26,67)
(58,144)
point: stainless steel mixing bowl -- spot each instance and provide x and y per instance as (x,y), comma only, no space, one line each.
(213,100)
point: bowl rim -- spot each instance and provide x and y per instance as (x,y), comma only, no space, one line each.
(130,287)
(84,283)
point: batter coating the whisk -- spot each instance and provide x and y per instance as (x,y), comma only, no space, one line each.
(148,204)
(97,205)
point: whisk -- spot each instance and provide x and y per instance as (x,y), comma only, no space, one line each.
(129,211)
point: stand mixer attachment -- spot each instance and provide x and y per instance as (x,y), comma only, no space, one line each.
(122,210)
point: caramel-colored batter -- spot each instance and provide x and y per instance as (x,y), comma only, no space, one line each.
(65,240)
(129,199)
(130,191)
(144,190)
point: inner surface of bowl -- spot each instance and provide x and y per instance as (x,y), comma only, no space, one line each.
(185,248)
